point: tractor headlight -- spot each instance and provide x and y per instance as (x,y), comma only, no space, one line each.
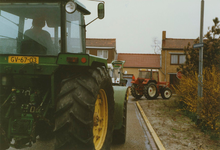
(70,7)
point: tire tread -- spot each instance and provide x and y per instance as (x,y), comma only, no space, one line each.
(74,124)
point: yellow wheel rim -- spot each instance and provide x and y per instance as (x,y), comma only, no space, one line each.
(100,120)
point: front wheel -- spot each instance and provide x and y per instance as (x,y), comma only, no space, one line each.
(166,93)
(119,136)
(85,108)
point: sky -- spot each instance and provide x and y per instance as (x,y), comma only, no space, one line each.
(135,24)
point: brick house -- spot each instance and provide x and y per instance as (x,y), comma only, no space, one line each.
(134,62)
(172,56)
(105,48)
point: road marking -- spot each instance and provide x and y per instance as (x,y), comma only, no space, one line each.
(153,133)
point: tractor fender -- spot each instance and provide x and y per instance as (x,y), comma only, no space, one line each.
(120,94)
(145,81)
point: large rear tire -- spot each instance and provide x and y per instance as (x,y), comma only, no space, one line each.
(119,136)
(85,108)
(134,91)
(150,91)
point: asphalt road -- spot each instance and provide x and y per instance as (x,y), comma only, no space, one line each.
(136,138)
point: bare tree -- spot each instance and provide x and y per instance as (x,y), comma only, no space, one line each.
(156,46)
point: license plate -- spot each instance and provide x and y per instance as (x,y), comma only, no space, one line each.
(23,59)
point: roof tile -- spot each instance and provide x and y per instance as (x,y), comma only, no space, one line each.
(140,60)
(170,43)
(100,42)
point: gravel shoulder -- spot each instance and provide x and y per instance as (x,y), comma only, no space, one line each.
(176,131)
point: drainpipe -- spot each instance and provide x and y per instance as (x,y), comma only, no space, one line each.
(163,44)
(165,65)
(162,72)
(161,65)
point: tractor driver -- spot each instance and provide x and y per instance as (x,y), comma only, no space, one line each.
(37,34)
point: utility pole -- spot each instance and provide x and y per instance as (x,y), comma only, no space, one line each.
(200,76)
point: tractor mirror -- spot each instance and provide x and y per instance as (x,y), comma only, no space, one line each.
(101,10)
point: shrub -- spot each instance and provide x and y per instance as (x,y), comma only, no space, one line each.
(209,103)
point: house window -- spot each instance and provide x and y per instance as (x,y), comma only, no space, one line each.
(102,53)
(177,59)
(182,59)
(87,51)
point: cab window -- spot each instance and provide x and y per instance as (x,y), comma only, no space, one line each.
(30,28)
(74,28)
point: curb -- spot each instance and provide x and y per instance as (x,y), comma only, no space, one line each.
(153,133)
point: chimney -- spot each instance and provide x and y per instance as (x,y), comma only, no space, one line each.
(163,35)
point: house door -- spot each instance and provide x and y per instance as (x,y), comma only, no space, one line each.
(174,81)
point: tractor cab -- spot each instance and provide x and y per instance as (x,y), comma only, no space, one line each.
(152,74)
(43,27)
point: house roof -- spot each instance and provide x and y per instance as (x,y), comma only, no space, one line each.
(134,60)
(94,43)
(174,43)
(177,44)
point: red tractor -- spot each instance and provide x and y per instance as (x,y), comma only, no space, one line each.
(148,84)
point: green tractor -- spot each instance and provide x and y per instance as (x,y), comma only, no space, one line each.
(49,86)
